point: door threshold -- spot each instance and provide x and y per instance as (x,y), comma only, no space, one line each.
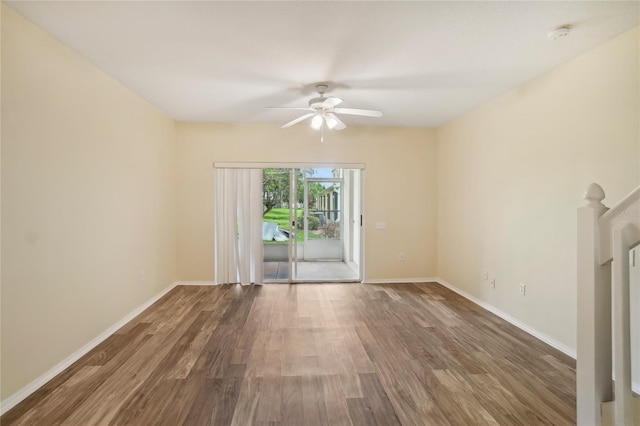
(316,282)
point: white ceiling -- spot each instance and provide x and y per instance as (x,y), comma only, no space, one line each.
(421,63)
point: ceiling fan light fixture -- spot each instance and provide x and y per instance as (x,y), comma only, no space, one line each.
(316,122)
(331,122)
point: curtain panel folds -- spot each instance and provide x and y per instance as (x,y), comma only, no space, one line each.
(238,226)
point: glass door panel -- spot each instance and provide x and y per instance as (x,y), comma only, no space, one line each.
(276,223)
(323,227)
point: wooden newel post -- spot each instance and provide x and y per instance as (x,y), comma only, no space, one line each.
(594,313)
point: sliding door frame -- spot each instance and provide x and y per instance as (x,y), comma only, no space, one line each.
(304,165)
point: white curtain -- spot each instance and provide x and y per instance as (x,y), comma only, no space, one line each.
(238,226)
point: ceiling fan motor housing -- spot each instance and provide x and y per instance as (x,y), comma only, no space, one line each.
(316,103)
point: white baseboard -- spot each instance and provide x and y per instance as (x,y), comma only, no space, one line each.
(400,280)
(23,393)
(532,331)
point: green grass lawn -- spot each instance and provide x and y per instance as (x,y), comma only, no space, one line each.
(281,217)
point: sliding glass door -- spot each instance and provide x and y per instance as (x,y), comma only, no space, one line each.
(311,224)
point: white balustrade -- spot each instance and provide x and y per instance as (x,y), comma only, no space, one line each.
(605,237)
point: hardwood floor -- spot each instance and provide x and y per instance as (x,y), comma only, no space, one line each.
(340,354)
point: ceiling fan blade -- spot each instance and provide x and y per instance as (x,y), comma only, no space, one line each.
(356,111)
(331,102)
(292,108)
(297,120)
(339,124)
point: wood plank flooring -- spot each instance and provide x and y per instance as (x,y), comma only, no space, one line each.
(311,354)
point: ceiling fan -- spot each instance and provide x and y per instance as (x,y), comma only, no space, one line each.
(323,112)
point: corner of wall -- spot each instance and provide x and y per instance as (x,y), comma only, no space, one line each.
(88,200)
(510,176)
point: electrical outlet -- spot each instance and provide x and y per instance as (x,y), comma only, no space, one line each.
(493,283)
(485,275)
(401,257)
(523,289)
(141,275)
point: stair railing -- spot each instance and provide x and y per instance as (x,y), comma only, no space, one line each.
(605,237)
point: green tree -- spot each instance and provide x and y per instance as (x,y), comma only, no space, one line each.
(275,188)
(314,189)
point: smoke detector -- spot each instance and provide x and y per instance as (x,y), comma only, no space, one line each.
(559,32)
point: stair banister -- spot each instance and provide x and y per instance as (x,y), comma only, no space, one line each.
(593,368)
(605,237)
(618,215)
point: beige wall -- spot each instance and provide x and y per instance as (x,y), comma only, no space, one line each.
(87,202)
(511,175)
(400,188)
